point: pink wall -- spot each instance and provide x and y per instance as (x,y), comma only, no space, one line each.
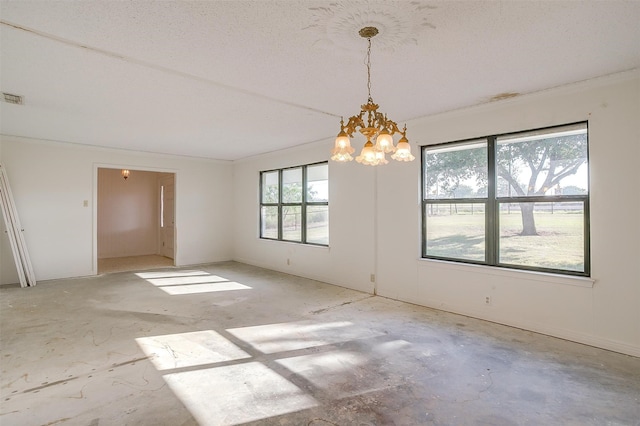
(128,212)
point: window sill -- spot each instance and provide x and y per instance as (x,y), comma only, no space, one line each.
(510,273)
(316,246)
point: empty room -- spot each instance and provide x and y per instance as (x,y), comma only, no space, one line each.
(319,213)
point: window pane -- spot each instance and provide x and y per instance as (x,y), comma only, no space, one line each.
(270,187)
(292,223)
(542,235)
(269,222)
(546,162)
(318,224)
(318,182)
(456,231)
(292,185)
(456,171)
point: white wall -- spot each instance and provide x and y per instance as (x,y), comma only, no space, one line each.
(50,182)
(128,213)
(376,224)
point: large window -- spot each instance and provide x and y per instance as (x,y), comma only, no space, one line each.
(518,200)
(294,204)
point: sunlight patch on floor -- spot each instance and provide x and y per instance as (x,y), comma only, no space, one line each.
(241,389)
(237,394)
(192,282)
(342,373)
(292,336)
(170,274)
(189,349)
(159,282)
(327,370)
(203,288)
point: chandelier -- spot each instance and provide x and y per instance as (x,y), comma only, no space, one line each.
(373,125)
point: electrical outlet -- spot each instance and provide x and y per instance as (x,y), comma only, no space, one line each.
(373,278)
(288,261)
(487,300)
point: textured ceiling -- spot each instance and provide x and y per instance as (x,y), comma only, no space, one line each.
(231,79)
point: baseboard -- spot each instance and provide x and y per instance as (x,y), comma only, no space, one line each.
(297,274)
(561,333)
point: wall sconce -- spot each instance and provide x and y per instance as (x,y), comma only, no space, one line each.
(125,173)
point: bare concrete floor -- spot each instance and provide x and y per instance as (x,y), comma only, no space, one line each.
(230,344)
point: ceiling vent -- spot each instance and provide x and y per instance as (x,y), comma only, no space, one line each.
(12,99)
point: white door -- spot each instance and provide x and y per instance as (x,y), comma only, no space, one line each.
(167,215)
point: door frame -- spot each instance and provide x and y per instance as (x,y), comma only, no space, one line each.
(160,247)
(133,168)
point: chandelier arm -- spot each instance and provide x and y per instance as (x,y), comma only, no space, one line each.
(353,123)
(380,120)
(371,118)
(392,126)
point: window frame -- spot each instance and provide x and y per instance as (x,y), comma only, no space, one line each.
(492,205)
(303,204)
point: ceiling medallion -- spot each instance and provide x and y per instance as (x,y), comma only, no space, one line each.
(399,23)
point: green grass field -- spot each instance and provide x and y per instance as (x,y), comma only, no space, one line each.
(317,233)
(558,245)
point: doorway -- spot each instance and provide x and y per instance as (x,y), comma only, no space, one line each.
(135,220)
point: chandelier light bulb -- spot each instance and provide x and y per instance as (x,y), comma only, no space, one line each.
(384,142)
(342,150)
(342,142)
(380,158)
(367,155)
(403,151)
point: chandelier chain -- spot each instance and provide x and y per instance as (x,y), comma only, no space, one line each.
(369,68)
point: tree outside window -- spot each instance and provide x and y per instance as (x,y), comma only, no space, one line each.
(295,204)
(517,200)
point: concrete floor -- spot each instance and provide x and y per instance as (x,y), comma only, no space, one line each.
(227,344)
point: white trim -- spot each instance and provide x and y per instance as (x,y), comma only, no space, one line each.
(96,166)
(293,243)
(368,288)
(146,154)
(569,88)
(510,273)
(556,332)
